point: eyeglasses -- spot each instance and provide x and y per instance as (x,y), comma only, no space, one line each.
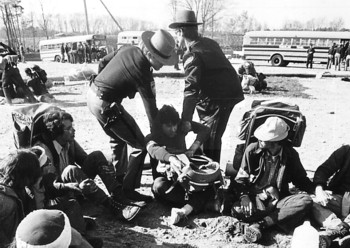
(178,31)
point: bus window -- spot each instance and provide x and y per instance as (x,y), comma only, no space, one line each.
(278,41)
(312,41)
(303,41)
(322,42)
(262,41)
(254,41)
(296,42)
(287,41)
(270,41)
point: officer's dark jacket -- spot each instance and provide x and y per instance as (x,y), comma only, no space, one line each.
(336,171)
(125,72)
(209,76)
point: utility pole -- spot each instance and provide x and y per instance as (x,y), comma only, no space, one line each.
(86,19)
(121,29)
(33,29)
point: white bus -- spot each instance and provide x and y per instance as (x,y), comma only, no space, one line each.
(50,50)
(133,38)
(129,38)
(282,47)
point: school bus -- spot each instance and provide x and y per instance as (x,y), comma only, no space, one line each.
(133,38)
(282,47)
(50,50)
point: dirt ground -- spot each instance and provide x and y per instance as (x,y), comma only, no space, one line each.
(328,118)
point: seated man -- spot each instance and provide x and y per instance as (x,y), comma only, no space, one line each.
(268,166)
(332,197)
(12,83)
(70,207)
(72,170)
(165,141)
(38,87)
(251,81)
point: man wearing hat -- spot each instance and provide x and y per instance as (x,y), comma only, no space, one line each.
(122,74)
(212,86)
(267,168)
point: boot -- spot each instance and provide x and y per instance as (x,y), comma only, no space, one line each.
(127,212)
(327,236)
(252,233)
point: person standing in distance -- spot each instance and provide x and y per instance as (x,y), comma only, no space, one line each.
(212,86)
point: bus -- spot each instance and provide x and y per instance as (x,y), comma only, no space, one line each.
(133,38)
(50,50)
(282,47)
(129,38)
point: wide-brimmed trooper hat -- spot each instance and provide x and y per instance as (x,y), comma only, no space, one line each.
(161,45)
(184,18)
(273,129)
(46,228)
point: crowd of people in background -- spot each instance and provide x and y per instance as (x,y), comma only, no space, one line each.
(81,52)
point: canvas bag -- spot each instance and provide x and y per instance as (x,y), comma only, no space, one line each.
(24,117)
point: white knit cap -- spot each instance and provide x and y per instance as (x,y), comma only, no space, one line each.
(44,229)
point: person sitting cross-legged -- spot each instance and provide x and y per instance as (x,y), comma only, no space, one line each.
(262,183)
(72,170)
(163,144)
(332,198)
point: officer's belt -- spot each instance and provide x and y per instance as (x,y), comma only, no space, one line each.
(104,94)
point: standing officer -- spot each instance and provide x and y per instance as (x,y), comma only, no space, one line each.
(212,85)
(122,74)
(310,56)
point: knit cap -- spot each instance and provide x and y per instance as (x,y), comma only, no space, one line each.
(46,228)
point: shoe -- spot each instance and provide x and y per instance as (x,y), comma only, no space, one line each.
(136,196)
(176,215)
(90,223)
(327,236)
(95,242)
(127,212)
(122,199)
(252,233)
(344,242)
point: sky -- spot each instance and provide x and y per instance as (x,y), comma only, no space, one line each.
(271,12)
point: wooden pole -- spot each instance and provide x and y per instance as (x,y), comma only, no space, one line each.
(86,18)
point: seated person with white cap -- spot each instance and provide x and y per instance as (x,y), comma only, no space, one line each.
(267,168)
(47,228)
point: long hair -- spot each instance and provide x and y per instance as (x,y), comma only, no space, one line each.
(19,169)
(53,121)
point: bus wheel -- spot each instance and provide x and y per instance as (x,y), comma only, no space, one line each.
(276,60)
(57,58)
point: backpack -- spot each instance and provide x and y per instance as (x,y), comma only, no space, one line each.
(200,173)
(41,73)
(27,122)
(256,116)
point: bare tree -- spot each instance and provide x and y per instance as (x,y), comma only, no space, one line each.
(205,10)
(337,24)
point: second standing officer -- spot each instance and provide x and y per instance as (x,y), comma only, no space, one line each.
(212,85)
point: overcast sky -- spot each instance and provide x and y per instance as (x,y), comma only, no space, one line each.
(272,12)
